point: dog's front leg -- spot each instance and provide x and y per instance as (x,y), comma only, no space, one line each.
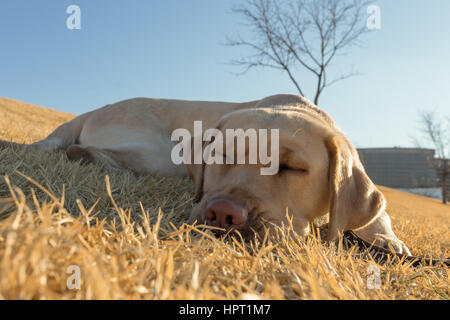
(380,233)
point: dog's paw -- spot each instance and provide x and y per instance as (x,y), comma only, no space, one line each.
(389,242)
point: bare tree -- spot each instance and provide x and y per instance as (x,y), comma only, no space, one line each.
(437,133)
(300,33)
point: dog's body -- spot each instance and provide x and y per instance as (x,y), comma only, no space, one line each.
(321,172)
(135,133)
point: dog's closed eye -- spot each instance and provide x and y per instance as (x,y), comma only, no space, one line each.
(284,168)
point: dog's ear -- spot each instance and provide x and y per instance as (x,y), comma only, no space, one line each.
(195,171)
(354,200)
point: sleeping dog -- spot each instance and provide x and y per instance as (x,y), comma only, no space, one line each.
(319,173)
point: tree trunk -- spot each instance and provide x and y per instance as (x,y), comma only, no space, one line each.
(444,182)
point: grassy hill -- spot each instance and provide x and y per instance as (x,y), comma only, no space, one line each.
(126,234)
(25,123)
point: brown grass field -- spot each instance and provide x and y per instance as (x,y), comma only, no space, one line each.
(127,235)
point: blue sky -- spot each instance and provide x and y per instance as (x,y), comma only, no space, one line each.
(174,49)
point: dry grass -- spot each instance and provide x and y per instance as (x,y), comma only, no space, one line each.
(126,233)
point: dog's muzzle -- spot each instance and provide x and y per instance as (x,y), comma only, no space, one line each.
(225,214)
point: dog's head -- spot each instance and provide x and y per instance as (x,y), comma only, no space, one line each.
(319,173)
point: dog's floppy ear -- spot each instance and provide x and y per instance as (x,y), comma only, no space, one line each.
(354,200)
(195,171)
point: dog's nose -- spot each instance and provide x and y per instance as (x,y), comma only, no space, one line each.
(225,213)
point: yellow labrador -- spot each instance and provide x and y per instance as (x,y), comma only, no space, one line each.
(319,169)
